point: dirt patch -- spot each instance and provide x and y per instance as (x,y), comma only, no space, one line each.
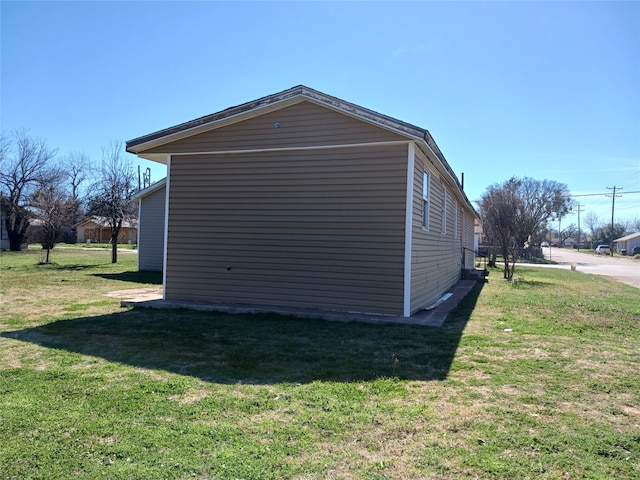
(137,294)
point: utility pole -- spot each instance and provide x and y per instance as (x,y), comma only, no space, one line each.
(579,207)
(613,205)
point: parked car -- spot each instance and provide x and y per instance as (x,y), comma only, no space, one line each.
(603,250)
(544,244)
(635,251)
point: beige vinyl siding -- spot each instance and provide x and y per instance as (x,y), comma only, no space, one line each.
(468,239)
(301,124)
(436,258)
(315,229)
(151,231)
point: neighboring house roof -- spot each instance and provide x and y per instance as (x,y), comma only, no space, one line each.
(103,222)
(150,189)
(280,100)
(626,238)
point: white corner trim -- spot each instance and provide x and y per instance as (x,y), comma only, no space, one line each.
(166,230)
(408,229)
(138,235)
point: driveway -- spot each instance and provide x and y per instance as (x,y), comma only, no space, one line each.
(622,269)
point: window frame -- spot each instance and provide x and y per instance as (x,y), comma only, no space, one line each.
(426,188)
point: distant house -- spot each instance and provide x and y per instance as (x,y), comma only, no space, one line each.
(627,243)
(96,230)
(151,216)
(303,200)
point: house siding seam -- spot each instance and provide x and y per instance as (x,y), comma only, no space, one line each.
(323,229)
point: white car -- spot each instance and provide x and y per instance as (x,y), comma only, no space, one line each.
(603,250)
(544,244)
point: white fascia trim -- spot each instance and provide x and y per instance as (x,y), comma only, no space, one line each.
(367,116)
(166,230)
(294,149)
(408,229)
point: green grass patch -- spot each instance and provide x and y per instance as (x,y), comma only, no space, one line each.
(529,379)
(77,307)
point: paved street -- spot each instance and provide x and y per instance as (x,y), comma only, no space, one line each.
(623,269)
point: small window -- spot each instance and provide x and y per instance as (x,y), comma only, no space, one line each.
(425,200)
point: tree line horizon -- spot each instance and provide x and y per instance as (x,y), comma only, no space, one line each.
(35,184)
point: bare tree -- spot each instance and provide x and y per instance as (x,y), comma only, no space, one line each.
(52,206)
(498,207)
(592,220)
(25,163)
(626,225)
(517,210)
(541,200)
(567,233)
(77,167)
(111,197)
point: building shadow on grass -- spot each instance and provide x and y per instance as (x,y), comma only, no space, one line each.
(260,348)
(154,278)
(70,267)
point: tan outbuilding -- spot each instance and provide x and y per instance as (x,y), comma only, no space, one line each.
(303,200)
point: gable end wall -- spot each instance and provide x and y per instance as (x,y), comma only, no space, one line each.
(311,229)
(304,124)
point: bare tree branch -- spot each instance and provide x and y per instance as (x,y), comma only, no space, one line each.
(52,206)
(517,210)
(112,193)
(26,162)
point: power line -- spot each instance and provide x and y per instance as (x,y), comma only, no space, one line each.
(579,210)
(601,194)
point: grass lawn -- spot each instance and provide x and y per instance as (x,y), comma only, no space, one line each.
(538,378)
(121,246)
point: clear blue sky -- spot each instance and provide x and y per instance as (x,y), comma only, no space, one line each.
(539,89)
